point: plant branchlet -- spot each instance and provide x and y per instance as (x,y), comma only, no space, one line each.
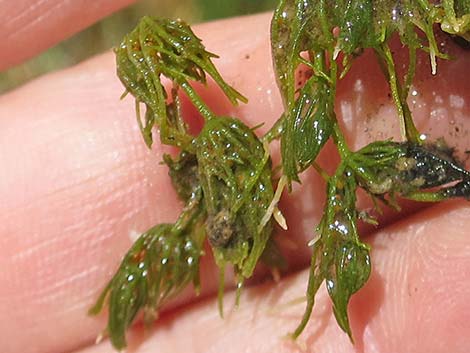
(224,176)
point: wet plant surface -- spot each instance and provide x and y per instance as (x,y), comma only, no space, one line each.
(224,174)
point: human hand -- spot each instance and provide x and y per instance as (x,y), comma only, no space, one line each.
(77,180)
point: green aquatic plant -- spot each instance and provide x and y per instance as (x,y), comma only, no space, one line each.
(223,174)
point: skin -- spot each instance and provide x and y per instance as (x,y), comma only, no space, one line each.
(33,26)
(77,182)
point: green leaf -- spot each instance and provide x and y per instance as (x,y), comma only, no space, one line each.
(338,256)
(291,22)
(169,48)
(157,267)
(350,271)
(298,26)
(315,279)
(375,166)
(356,25)
(307,129)
(235,174)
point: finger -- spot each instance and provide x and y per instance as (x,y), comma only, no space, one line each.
(31,26)
(86,181)
(77,181)
(416,301)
